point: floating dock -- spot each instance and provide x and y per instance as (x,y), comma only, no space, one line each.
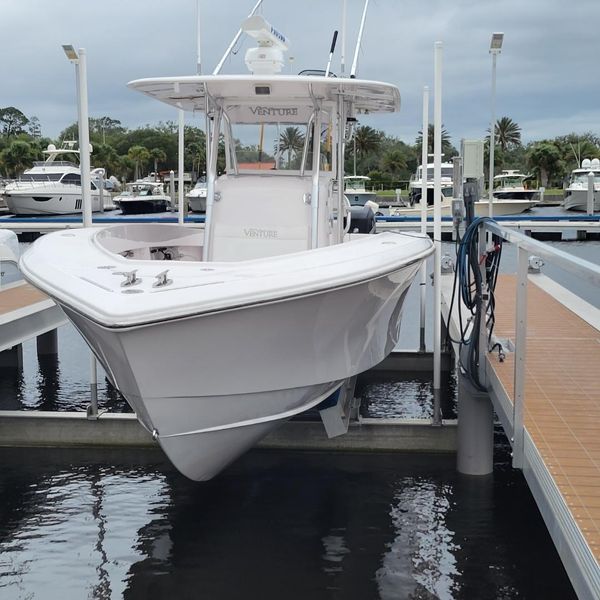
(561,420)
(559,227)
(25,313)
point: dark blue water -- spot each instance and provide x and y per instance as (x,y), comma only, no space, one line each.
(113,524)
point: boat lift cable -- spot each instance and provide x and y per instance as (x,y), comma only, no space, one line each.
(473,292)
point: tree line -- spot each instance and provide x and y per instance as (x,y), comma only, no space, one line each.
(131,153)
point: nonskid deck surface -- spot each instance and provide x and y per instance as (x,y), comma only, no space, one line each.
(71,266)
(562,397)
(19,297)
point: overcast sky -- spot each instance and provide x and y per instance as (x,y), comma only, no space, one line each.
(547,75)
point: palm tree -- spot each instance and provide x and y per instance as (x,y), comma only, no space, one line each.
(393,162)
(291,141)
(366,140)
(446,145)
(196,152)
(157,155)
(507,133)
(17,157)
(105,155)
(139,155)
(544,158)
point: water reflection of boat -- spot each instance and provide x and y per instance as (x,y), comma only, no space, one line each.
(275,307)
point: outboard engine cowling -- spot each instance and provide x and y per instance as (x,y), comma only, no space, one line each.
(362,220)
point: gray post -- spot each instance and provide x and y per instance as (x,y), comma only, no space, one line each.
(172,188)
(92,409)
(590,193)
(475,430)
(100,184)
(47,343)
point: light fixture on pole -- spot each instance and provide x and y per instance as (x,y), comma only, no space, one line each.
(79,60)
(495,49)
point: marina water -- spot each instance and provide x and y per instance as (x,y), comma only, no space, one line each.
(83,523)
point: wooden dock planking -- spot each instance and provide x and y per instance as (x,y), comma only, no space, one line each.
(18,297)
(562,396)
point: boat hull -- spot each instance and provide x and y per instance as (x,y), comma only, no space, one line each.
(500,208)
(197,203)
(40,201)
(357,198)
(138,207)
(577,200)
(210,386)
(530,195)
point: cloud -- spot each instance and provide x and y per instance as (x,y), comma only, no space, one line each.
(545,75)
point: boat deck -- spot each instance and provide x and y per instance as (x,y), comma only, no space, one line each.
(562,396)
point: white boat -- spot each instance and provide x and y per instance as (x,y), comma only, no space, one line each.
(356,191)
(197,196)
(576,193)
(217,338)
(501,208)
(143,196)
(416,182)
(51,187)
(510,185)
(9,259)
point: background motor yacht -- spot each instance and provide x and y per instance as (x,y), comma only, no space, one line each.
(52,186)
(576,193)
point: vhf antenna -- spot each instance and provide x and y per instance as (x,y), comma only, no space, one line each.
(331,51)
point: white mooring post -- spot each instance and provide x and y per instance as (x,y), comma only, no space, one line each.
(590,193)
(424,154)
(437,233)
(180,196)
(520,354)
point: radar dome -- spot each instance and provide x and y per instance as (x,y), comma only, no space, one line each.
(51,148)
(596,164)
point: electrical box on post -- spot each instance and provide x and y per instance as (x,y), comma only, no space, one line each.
(472,155)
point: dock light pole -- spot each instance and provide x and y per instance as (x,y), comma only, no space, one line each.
(437,233)
(424,179)
(495,49)
(79,60)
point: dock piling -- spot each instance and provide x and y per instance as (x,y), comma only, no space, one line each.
(12,358)
(475,432)
(47,343)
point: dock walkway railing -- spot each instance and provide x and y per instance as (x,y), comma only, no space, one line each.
(527,248)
